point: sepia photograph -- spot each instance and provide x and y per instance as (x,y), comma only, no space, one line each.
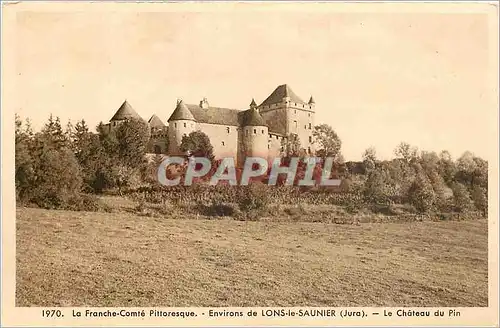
(253,155)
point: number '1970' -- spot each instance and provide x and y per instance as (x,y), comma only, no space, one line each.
(52,313)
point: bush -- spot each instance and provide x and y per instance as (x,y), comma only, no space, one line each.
(89,203)
(253,198)
(218,209)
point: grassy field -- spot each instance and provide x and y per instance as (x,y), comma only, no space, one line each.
(122,259)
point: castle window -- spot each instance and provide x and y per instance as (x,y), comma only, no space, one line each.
(114,123)
(223,143)
(228,129)
(276,137)
(310,126)
(295,124)
(308,114)
(268,147)
(262,131)
(305,127)
(175,124)
(309,150)
(310,139)
(254,131)
(295,111)
(184,124)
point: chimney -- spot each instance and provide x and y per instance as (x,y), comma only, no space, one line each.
(204,103)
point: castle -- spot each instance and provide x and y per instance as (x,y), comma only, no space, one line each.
(256,131)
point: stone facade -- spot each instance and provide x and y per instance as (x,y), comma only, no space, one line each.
(256,131)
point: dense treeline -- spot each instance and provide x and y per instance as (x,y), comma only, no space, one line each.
(65,167)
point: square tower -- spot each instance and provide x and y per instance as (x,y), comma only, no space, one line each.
(285,113)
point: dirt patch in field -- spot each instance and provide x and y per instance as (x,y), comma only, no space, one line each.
(123,259)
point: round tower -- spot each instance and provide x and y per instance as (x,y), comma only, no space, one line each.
(255,134)
(181,123)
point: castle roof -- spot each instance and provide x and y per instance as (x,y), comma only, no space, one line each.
(235,117)
(252,117)
(253,103)
(311,100)
(181,112)
(215,115)
(125,112)
(279,93)
(155,122)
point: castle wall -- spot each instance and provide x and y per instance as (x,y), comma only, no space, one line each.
(176,130)
(274,117)
(255,141)
(300,121)
(224,139)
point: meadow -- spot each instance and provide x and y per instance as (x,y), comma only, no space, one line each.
(127,257)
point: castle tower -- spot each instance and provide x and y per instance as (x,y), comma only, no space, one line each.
(157,144)
(125,112)
(181,123)
(287,112)
(255,134)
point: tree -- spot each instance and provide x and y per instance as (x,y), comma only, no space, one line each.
(197,144)
(461,197)
(91,156)
(429,161)
(54,135)
(328,141)
(24,174)
(447,167)
(421,193)
(369,159)
(132,138)
(479,196)
(406,152)
(291,146)
(376,187)
(58,178)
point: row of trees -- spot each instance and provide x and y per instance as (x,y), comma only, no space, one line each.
(57,167)
(427,180)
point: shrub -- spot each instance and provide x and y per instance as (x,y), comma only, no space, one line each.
(253,198)
(86,202)
(218,209)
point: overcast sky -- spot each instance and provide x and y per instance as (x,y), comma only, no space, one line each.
(377,78)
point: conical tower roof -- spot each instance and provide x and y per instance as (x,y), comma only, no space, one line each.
(279,93)
(155,122)
(253,104)
(125,112)
(181,112)
(311,101)
(253,118)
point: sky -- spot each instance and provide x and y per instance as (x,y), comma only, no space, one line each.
(378,78)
